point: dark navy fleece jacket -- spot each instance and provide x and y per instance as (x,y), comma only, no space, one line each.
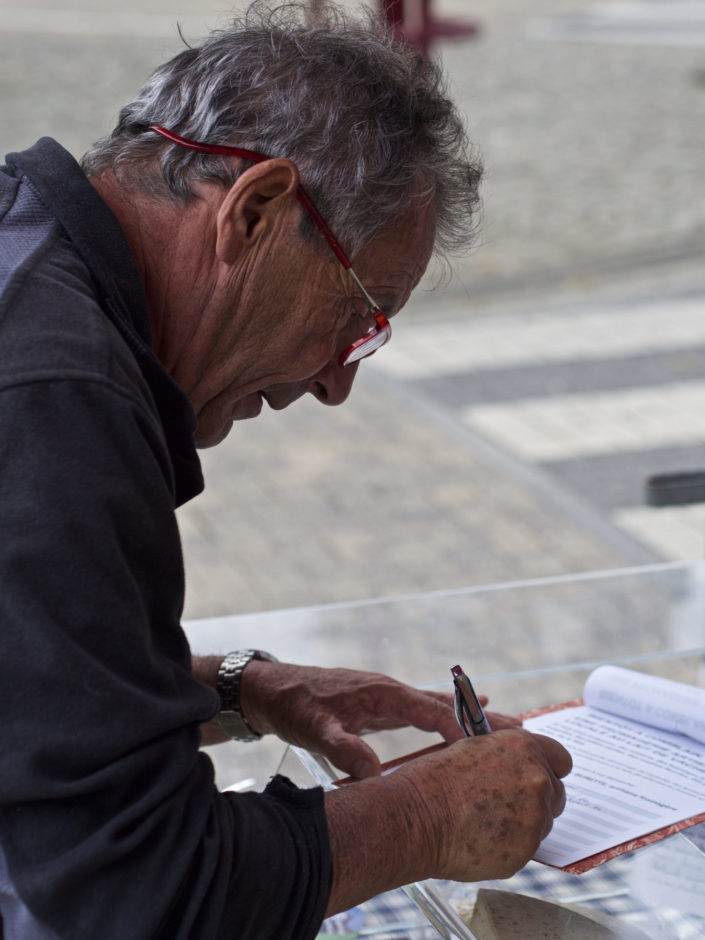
(110,825)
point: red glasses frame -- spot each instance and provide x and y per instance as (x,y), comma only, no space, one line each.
(377,335)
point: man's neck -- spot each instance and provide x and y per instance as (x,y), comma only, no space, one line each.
(173,250)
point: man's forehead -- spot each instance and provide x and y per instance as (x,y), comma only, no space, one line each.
(403,253)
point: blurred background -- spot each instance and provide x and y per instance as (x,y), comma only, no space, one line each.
(532,387)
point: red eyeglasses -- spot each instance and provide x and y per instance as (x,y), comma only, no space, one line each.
(378,334)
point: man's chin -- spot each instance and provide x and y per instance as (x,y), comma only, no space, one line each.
(248,407)
(204,440)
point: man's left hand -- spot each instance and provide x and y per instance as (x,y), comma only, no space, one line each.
(325,710)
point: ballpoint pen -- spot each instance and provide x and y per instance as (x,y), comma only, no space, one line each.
(468,710)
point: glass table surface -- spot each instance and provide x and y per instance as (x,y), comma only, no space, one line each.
(526,645)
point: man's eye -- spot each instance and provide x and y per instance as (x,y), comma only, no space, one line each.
(355,318)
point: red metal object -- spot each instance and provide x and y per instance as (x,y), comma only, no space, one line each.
(421,30)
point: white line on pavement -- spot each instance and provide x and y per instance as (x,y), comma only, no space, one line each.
(570,426)
(424,350)
(672,24)
(677,533)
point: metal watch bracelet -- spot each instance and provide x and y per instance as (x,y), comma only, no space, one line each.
(231,719)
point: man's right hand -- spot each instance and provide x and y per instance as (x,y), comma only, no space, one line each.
(489,801)
(475,810)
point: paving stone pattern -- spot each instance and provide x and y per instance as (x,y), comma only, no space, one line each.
(593,195)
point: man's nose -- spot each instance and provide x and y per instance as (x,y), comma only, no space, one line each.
(332,384)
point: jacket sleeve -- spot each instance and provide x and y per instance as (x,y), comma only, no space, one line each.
(110,823)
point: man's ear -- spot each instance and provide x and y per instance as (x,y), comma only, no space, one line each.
(252,204)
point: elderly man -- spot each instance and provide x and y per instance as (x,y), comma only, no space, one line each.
(185,275)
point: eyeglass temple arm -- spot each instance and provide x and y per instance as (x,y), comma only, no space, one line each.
(301,195)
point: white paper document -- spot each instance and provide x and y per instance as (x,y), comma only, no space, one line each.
(630,776)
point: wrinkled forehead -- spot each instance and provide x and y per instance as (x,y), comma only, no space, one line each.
(394,263)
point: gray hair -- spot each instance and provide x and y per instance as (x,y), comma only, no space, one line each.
(364,117)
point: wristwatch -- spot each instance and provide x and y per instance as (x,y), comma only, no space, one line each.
(231,719)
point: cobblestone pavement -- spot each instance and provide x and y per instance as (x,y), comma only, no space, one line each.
(593,201)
